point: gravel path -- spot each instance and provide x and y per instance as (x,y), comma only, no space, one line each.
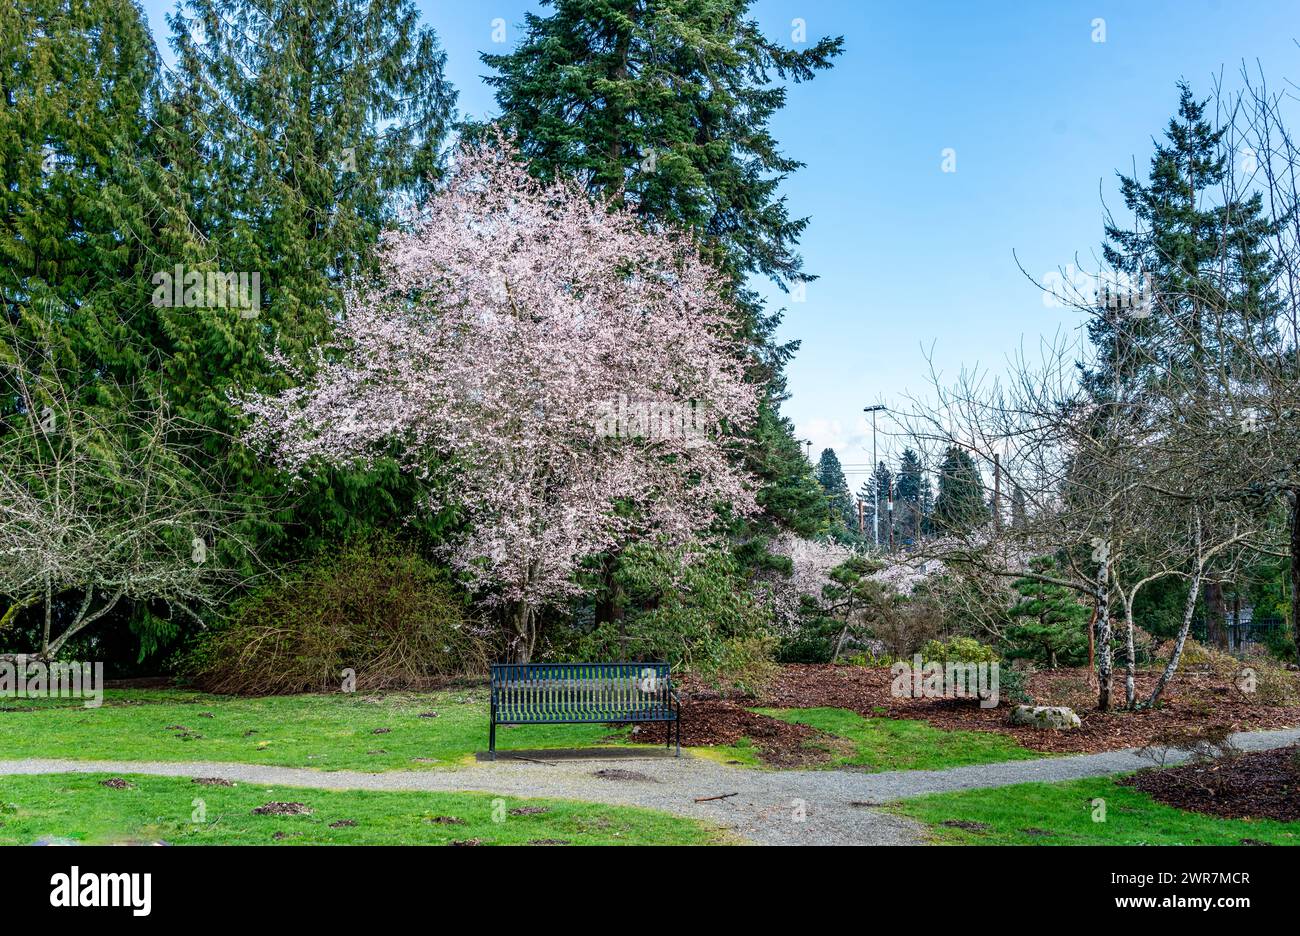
(776,807)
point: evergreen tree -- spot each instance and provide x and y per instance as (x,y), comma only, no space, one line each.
(1196,252)
(927,506)
(78,80)
(788,490)
(839,502)
(960,506)
(1190,252)
(294,132)
(907,497)
(1047,622)
(1019,514)
(667,105)
(875,493)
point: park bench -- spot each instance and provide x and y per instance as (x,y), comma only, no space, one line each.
(583,693)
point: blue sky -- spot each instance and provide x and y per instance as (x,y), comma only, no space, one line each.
(910,257)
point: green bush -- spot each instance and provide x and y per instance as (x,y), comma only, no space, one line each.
(1013,686)
(691,610)
(1280,644)
(375,607)
(812,642)
(958,650)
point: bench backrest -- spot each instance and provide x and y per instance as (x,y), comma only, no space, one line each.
(594,690)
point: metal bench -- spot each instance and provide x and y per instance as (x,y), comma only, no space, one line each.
(583,693)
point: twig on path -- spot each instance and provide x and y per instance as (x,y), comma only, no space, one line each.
(531,759)
(709,799)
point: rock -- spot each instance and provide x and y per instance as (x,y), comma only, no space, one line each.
(1045,716)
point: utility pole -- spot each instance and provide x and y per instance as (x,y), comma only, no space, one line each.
(875,488)
(890,502)
(808,449)
(997,492)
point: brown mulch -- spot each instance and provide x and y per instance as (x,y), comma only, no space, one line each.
(1259,785)
(1195,699)
(116,783)
(713,722)
(211,781)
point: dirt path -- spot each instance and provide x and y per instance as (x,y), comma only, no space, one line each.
(777,807)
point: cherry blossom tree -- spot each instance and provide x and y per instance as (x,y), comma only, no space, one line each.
(564,377)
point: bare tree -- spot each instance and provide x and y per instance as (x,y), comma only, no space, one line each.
(102,507)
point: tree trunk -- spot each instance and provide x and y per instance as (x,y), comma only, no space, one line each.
(523,633)
(1295,566)
(1103,637)
(1193,591)
(45,630)
(1216,630)
(1130,665)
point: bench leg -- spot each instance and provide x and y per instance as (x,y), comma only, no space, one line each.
(679,734)
(492,741)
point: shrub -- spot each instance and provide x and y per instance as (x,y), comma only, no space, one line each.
(1280,644)
(1260,681)
(813,641)
(1013,686)
(375,607)
(958,650)
(691,610)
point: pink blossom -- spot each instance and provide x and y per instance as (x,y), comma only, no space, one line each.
(511,316)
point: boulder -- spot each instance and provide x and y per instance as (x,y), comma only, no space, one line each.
(1045,716)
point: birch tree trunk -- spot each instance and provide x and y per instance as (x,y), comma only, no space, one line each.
(1103,636)
(1193,592)
(1130,667)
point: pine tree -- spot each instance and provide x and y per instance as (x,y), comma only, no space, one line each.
(960,506)
(1047,622)
(839,502)
(875,493)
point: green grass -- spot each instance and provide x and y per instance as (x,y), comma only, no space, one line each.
(880,744)
(1063,814)
(388,731)
(78,807)
(329,732)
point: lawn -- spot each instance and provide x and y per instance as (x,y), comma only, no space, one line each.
(879,744)
(390,731)
(177,811)
(1067,814)
(410,731)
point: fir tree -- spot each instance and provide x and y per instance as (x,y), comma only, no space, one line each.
(294,133)
(79,78)
(960,506)
(839,502)
(667,106)
(907,497)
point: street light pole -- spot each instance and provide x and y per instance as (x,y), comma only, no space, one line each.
(875,487)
